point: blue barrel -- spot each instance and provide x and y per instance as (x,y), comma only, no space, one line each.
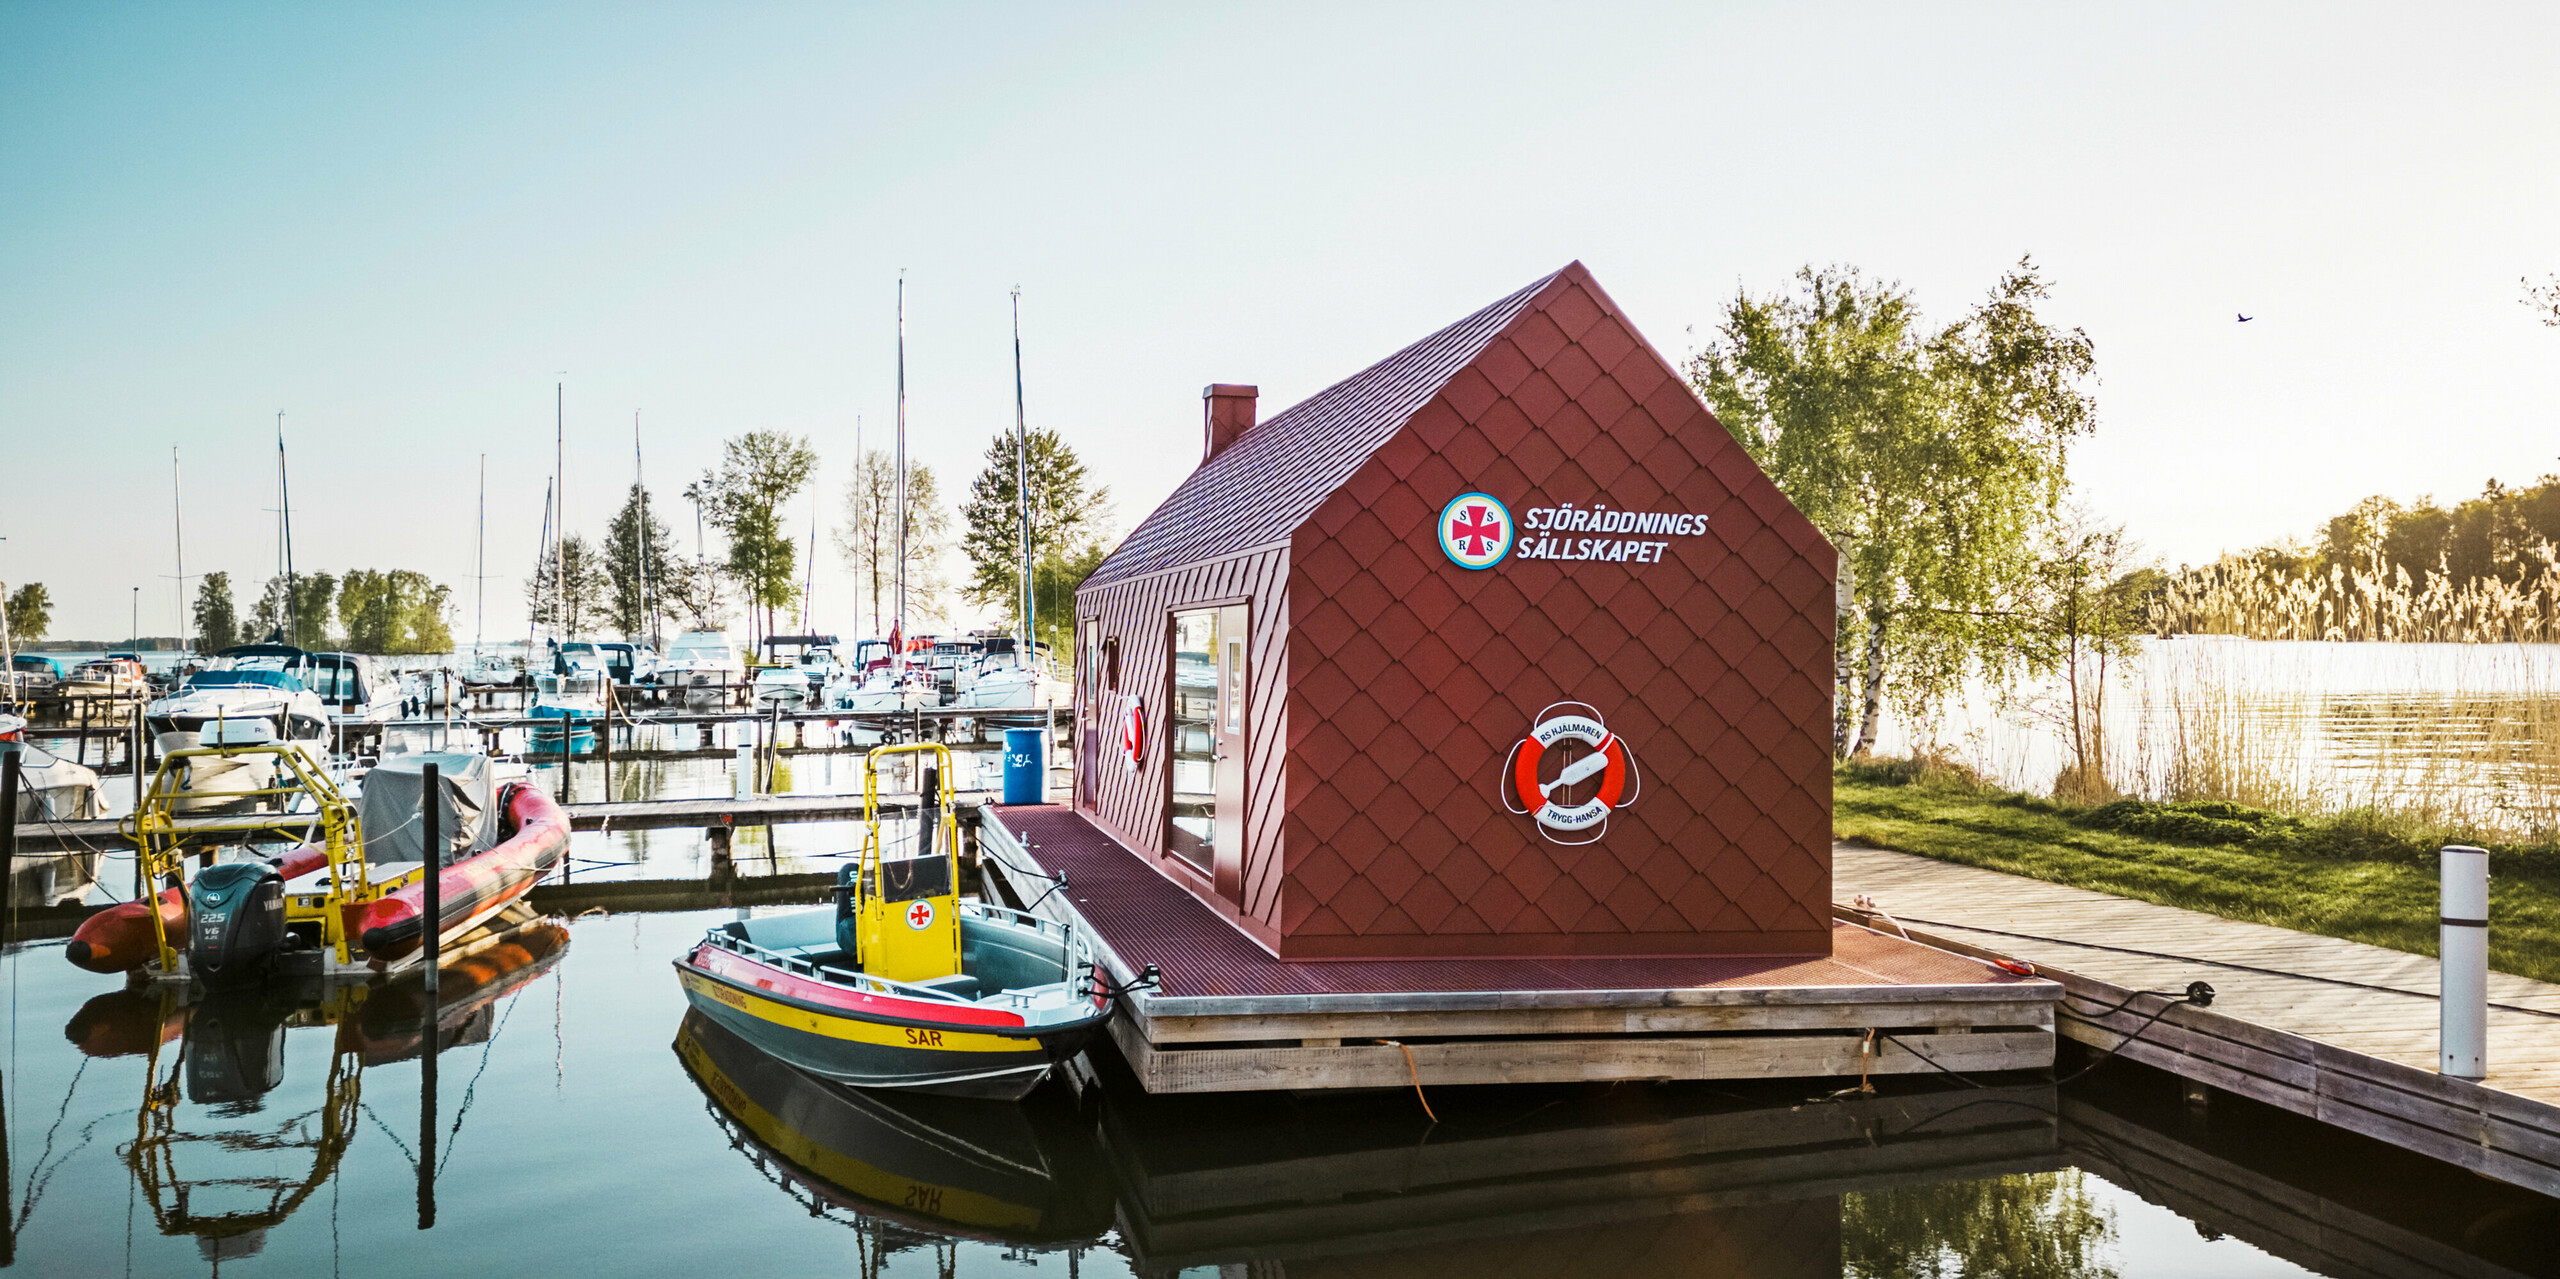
(1025,782)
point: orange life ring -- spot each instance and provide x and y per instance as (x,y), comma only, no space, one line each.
(1618,775)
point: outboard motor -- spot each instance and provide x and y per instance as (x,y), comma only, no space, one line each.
(848,925)
(236,914)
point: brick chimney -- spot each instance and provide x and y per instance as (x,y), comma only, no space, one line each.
(1226,412)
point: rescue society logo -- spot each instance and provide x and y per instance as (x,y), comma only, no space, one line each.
(1475,530)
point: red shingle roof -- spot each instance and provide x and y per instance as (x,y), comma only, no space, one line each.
(1271,479)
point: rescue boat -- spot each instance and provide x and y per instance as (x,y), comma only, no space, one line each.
(318,908)
(901,984)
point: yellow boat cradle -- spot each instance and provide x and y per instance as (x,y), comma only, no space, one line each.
(902,984)
(299,809)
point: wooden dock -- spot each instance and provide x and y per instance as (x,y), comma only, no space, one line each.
(2337,1030)
(651,814)
(1231,1017)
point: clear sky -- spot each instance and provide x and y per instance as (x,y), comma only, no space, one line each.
(402,224)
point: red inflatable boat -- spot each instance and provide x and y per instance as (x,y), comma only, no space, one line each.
(535,836)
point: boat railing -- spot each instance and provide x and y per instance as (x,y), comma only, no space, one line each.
(1077,952)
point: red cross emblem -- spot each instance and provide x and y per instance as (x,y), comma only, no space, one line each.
(919,914)
(1475,528)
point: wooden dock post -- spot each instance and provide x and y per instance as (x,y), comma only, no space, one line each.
(431,916)
(8,839)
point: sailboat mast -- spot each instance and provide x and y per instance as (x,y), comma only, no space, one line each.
(902,459)
(809,577)
(1022,477)
(533,619)
(640,484)
(480,567)
(284,491)
(560,527)
(178,508)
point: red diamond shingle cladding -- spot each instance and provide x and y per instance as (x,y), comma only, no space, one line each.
(1389,683)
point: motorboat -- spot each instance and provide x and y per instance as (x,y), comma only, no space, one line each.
(105,677)
(577,700)
(816,669)
(266,682)
(1004,680)
(949,659)
(629,662)
(50,788)
(351,904)
(355,688)
(33,675)
(902,984)
(704,664)
(889,689)
(492,670)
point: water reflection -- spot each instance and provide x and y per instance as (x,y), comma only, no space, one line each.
(211,1157)
(2041,1226)
(895,1165)
(591,1128)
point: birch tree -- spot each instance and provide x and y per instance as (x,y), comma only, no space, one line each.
(1933,458)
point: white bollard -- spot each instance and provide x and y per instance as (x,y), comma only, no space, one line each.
(2463,948)
(744,771)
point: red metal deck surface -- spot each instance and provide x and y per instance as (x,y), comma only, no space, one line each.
(1147,919)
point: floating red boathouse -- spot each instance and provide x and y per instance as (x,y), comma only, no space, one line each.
(1501,647)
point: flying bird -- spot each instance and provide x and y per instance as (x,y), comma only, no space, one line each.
(2244,319)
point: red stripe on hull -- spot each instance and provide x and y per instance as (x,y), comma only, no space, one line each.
(747,972)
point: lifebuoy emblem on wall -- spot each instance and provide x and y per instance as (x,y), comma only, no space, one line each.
(1475,530)
(1548,800)
(1133,733)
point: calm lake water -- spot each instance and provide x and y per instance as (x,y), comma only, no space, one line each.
(2474,727)
(583,1125)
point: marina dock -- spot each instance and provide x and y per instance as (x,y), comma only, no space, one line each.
(1230,1016)
(2336,1030)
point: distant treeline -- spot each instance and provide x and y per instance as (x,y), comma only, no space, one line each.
(2484,570)
(366,611)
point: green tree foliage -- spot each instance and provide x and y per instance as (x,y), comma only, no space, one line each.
(759,472)
(305,624)
(1067,515)
(398,612)
(630,549)
(569,591)
(2028,1226)
(697,593)
(1053,585)
(2090,601)
(868,540)
(217,621)
(1933,458)
(30,614)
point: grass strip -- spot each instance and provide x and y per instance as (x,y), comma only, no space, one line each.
(2381,898)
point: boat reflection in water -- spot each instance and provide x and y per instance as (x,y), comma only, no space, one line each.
(207,1153)
(904,1169)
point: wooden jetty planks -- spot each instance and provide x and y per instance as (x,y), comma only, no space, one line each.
(1234,1018)
(2362,1059)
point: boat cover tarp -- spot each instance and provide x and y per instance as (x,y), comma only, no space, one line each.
(466,821)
